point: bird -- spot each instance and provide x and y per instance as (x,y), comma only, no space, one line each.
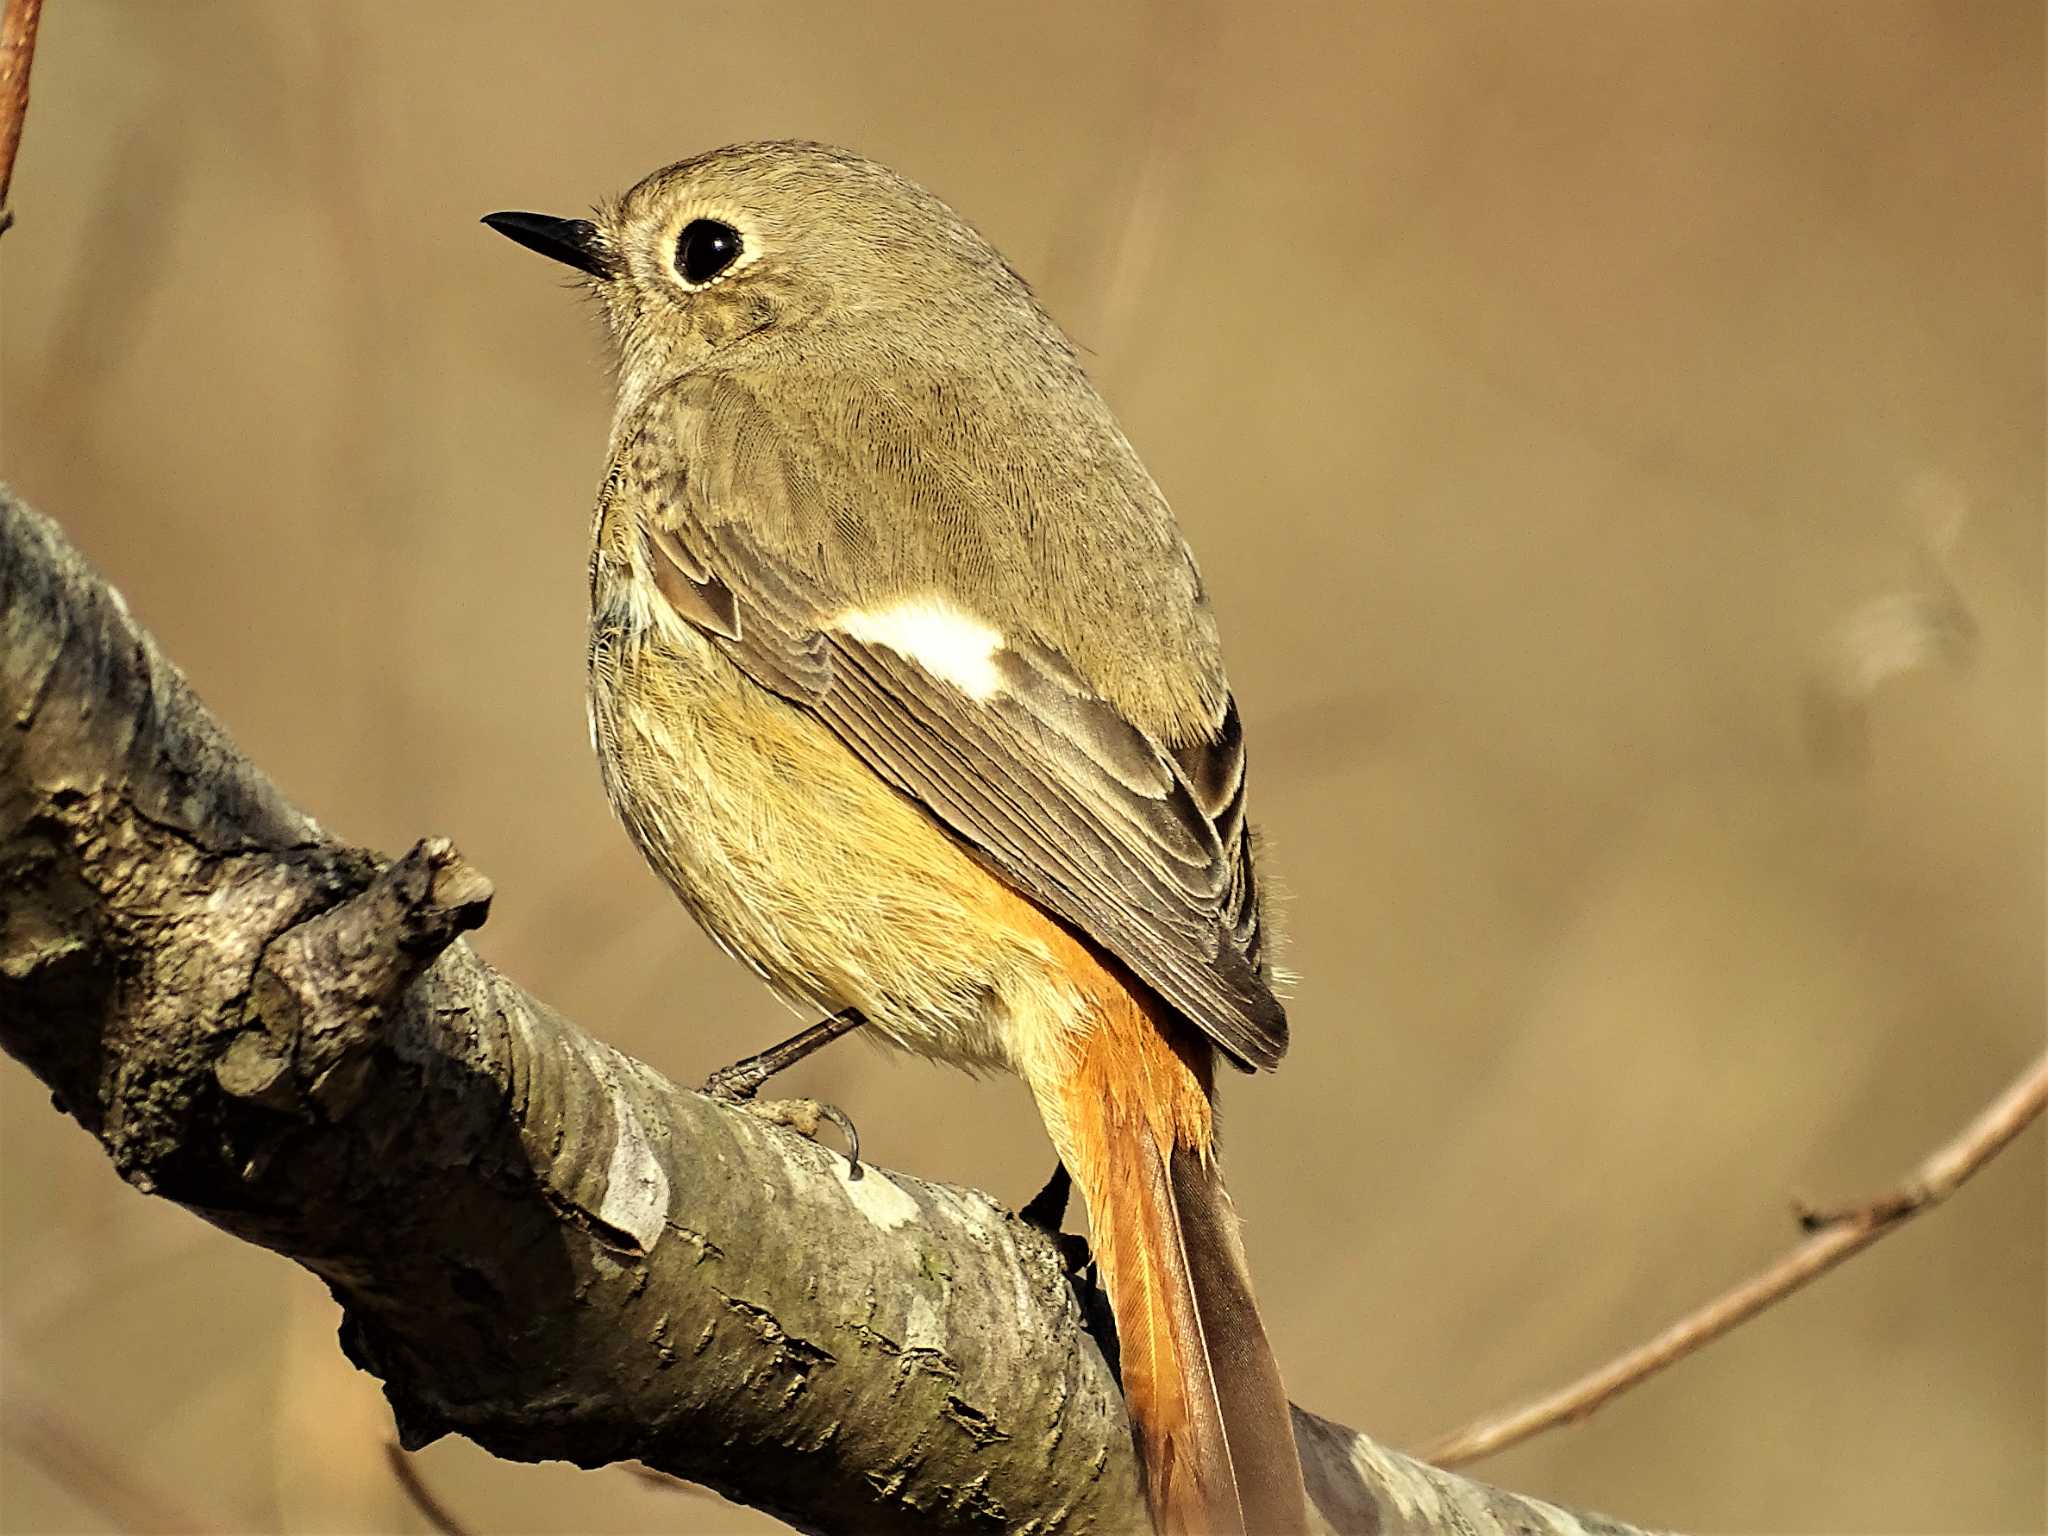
(902,676)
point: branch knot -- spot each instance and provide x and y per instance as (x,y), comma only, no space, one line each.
(326,987)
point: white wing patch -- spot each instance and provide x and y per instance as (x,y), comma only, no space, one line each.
(952,645)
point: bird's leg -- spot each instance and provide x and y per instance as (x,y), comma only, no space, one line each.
(1046,1210)
(743,1079)
(739,1083)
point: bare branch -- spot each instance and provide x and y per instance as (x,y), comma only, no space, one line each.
(1835,1236)
(537,1242)
(34,1430)
(437,1515)
(17,54)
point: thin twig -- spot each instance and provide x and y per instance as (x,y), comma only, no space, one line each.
(35,1431)
(17,53)
(431,1509)
(668,1482)
(1835,1235)
(1127,265)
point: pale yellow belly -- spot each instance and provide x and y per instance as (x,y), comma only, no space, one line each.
(799,860)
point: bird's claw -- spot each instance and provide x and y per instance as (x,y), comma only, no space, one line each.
(804,1116)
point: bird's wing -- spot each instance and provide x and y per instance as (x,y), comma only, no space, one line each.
(1142,848)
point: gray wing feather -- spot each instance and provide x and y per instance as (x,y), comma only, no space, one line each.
(1141,848)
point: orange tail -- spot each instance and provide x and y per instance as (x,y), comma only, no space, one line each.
(1130,1113)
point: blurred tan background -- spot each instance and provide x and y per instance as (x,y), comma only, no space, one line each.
(1541,386)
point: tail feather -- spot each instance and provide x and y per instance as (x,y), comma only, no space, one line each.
(1258,1425)
(1174,1400)
(1212,1421)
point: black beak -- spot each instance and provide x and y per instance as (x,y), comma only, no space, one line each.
(572,242)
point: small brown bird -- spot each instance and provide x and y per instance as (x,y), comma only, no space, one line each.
(903,677)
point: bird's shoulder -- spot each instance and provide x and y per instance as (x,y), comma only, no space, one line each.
(906,479)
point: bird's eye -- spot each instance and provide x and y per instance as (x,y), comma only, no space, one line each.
(706,248)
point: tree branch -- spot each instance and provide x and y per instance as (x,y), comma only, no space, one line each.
(440,1519)
(538,1242)
(1836,1235)
(37,1431)
(17,55)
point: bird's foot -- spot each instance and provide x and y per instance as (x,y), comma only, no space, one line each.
(804,1116)
(739,1083)
(1046,1210)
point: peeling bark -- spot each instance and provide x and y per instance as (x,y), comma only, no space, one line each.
(538,1242)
